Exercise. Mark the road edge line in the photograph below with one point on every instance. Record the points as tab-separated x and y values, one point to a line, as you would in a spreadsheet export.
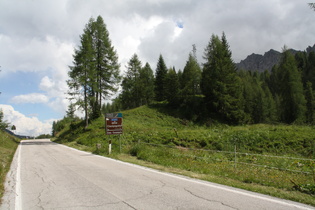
18	195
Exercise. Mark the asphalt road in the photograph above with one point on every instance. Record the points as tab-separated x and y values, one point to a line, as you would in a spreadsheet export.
45	175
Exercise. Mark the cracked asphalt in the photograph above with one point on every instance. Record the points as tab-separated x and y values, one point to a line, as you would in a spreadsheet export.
54	176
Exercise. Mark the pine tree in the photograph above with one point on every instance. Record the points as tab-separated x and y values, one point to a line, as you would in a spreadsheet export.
160	79
172	87
220	83
191	77
291	94
147	84
269	106
310	68
131	93
310	106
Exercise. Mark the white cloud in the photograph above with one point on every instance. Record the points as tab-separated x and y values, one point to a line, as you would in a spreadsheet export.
29	126
32	98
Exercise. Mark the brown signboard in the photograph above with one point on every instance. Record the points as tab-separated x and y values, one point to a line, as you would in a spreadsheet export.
114	123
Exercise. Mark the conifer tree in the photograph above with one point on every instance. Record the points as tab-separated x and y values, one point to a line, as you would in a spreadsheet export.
147	84
95	71
79	83
107	66
310	68
220	83
160	80
291	94
191	77
172	87
131	93
310	106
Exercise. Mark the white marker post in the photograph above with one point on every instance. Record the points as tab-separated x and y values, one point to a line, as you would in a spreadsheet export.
110	147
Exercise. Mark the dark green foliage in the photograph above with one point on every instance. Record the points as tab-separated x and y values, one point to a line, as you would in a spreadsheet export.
290	90
147	84
131	93
160	80
220	83
310	69
310	106
137	85
44	136
191	77
260	105
172	87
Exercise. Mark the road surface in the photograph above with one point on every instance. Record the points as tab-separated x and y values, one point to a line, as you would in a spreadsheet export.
46	175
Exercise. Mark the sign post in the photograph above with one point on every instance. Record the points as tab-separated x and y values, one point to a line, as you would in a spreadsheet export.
113	122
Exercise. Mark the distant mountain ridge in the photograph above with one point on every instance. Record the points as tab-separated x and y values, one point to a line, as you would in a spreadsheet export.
257	62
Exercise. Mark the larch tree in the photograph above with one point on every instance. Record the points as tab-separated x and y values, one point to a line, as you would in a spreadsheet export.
95	71
147	84
191	77
80	75
160	80
310	106
220	84
131	89
291	93
172	87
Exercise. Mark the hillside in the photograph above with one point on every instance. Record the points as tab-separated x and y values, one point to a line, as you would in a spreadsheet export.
260	63
8	145
152	124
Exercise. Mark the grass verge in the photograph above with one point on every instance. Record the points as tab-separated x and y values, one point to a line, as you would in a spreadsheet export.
8	145
243	178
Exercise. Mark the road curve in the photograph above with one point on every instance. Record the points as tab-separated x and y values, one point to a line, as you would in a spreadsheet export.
46	175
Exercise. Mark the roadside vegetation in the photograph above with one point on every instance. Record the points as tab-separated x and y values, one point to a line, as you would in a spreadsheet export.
156	139
8	145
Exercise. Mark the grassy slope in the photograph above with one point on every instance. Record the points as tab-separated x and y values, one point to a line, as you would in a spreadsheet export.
147	124
8	145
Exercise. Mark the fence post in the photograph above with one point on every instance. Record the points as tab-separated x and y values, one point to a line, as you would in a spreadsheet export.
119	143
234	156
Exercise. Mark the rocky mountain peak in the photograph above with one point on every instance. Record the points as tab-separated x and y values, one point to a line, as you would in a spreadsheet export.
257	62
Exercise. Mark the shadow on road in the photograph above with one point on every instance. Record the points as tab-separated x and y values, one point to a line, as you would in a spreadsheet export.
36	142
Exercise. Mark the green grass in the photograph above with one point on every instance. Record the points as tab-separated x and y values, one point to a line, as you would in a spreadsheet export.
8	145
152	125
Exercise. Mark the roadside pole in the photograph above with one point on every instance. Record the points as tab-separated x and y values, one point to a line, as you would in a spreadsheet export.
110	147
119	143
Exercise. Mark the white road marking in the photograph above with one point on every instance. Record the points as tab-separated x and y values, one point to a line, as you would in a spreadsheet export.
18	195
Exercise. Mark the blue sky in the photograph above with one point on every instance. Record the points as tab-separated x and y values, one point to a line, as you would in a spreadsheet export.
37	40
23	83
